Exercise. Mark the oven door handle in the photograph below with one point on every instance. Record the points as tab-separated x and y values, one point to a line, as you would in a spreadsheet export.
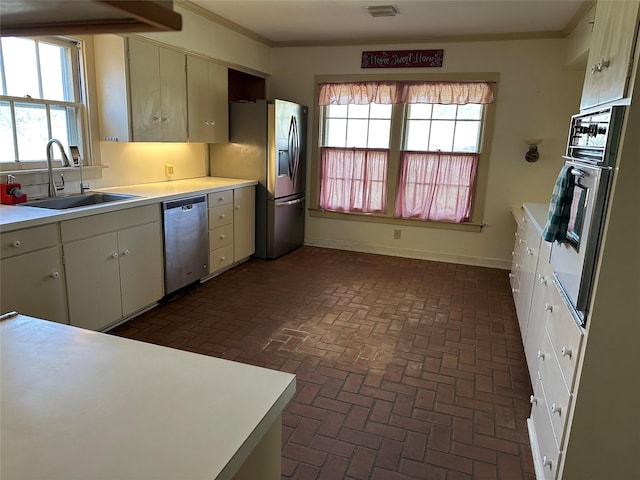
578	173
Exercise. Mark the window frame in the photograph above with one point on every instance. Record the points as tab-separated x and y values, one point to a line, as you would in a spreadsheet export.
475	222
81	65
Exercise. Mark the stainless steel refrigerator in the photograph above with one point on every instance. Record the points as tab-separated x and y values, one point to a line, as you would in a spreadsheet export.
269	145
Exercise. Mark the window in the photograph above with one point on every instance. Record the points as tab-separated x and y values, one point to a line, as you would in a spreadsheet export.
40	98
354	157
430	133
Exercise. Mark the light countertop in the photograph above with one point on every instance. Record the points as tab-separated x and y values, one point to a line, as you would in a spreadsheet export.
13	217
78	404
536	211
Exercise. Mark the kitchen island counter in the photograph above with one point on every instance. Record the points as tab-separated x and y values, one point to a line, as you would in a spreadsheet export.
77	404
14	217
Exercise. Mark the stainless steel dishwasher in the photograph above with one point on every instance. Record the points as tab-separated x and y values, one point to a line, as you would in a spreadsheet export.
185	242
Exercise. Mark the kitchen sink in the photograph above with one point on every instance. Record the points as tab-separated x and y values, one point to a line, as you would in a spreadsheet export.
80	200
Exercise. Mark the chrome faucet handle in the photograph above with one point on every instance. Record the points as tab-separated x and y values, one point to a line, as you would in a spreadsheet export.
61	185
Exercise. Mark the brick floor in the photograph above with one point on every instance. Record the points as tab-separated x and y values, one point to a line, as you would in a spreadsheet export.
406	369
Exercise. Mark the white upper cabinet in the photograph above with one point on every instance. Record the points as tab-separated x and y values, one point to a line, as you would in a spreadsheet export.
207	101
158	89
141	90
611	54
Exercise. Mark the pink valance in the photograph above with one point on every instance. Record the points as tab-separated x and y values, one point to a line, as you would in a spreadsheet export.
389	92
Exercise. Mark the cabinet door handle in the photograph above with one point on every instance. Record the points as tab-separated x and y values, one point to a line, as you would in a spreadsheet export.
533	400
556	409
511	275
115	255
600	66
529	251
222	237
55	275
542	280
237	207
540	354
125	252
566	352
16	243
514	290
546	462
548	307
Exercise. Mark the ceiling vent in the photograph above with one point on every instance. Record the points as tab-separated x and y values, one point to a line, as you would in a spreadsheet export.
382	10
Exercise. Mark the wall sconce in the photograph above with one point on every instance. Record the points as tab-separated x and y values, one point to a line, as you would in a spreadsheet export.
532	154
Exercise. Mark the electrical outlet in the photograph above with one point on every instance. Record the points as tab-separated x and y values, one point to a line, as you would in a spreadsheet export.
397	234
168	169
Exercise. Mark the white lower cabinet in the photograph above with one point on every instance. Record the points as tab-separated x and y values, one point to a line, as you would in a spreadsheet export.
556	365
539	306
31	274
546	454
231	227
552	339
244	222
113	264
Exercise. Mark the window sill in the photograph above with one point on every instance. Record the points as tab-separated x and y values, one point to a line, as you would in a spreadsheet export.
6	170
376	218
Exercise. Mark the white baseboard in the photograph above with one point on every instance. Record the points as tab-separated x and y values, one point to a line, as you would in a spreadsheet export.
410	253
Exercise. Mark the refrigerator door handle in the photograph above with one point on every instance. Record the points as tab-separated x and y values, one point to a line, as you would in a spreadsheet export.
290	202
294	148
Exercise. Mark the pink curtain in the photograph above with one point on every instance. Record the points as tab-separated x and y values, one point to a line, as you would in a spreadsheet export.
446	93
358	93
436	186
353	179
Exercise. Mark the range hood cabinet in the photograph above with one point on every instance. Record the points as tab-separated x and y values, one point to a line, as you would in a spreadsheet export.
61	17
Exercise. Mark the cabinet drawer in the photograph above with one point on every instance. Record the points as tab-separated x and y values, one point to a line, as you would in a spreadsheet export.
220	258
219	216
548	457
86	227
26	240
557	396
565	335
220	237
220	198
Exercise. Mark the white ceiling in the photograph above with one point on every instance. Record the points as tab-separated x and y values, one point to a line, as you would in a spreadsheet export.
347	21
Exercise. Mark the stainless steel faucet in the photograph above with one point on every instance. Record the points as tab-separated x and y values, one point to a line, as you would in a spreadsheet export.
65	163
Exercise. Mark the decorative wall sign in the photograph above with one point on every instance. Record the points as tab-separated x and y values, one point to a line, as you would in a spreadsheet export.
402	58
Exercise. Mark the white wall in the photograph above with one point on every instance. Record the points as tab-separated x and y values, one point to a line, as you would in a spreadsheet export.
535	99
202	36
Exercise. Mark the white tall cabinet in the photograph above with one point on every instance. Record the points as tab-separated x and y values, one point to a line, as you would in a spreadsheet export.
584	420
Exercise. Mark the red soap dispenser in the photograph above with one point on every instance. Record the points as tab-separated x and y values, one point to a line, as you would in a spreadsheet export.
11	192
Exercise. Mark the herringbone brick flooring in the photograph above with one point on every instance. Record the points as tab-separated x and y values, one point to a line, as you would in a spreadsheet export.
406	369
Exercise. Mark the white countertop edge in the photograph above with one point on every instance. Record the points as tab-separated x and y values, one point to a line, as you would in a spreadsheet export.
15	217
252	441
538	214
34	341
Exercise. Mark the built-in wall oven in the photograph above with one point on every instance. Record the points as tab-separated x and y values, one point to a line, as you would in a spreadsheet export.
591	154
